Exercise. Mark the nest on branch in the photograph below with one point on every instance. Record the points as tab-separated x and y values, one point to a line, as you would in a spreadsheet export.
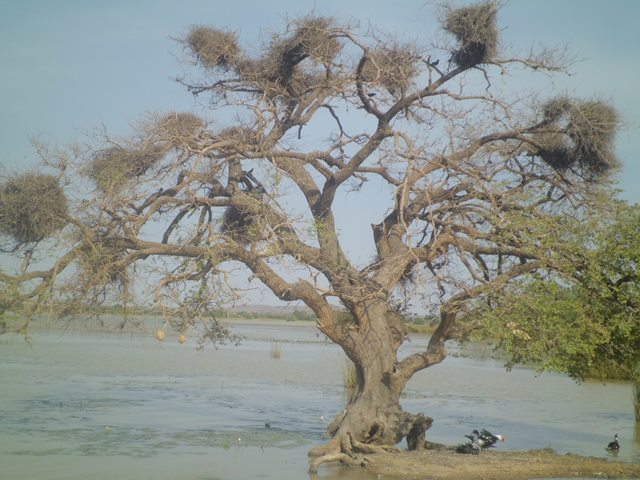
313	37
113	167
32	207
179	128
580	135
214	48
392	68
100	264
241	135
239	225
476	30
277	72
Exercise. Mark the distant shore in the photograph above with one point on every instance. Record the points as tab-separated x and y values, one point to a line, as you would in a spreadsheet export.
133	324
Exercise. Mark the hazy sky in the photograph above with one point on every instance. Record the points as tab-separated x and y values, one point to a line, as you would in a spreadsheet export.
68	66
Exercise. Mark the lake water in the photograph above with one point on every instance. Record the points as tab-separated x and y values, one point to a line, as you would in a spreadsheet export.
99	406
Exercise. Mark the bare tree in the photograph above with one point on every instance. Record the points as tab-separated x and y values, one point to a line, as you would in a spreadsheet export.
479	185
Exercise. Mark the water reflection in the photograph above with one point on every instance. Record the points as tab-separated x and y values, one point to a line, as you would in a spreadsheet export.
106	406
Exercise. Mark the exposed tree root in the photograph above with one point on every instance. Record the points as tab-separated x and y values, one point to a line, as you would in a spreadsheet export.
369	448
332	447
345	449
349	459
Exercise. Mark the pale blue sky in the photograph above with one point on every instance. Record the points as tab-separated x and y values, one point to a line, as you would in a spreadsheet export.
71	65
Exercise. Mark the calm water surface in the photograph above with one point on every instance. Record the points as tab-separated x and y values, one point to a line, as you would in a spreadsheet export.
100	406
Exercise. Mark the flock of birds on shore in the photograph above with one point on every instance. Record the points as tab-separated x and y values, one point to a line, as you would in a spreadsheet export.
479	440
483	439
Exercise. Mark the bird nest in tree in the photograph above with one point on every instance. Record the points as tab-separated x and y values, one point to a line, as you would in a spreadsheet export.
392	68
110	169
214	47
240	225
579	135
277	73
101	264
313	37
240	135
32	207
179	129
476	30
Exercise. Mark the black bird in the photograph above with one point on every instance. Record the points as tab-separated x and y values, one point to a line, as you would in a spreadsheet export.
615	445
371	94
468	448
267	425
490	437
484	439
434	63
477	441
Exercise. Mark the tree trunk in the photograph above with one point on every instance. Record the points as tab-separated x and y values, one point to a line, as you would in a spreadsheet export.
373	419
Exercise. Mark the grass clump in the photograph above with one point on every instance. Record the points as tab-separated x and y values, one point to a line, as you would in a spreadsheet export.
276	351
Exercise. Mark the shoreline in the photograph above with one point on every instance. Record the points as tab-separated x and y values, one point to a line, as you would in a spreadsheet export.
445	464
140	324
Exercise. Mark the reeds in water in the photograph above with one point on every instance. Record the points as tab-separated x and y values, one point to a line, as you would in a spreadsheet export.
276	351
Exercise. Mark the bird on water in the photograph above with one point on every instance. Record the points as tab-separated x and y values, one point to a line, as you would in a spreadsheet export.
615	445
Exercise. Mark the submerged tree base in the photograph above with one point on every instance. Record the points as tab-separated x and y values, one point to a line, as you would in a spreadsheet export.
445	464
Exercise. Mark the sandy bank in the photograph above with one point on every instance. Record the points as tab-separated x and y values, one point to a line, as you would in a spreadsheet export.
495	465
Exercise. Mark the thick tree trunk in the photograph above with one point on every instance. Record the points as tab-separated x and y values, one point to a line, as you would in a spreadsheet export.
374	418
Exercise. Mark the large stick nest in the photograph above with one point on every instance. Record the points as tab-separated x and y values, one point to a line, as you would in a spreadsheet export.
579	135
239	225
113	167
393	68
313	37
476	30
32	207
179	129
213	47
278	72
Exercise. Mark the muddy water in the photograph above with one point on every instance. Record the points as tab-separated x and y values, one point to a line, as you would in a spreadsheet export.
99	406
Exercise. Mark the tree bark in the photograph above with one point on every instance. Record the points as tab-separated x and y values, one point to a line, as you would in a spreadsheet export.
373	419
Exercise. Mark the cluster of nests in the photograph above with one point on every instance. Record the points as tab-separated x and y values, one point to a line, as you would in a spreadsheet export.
575	135
317	38
275	73
112	167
